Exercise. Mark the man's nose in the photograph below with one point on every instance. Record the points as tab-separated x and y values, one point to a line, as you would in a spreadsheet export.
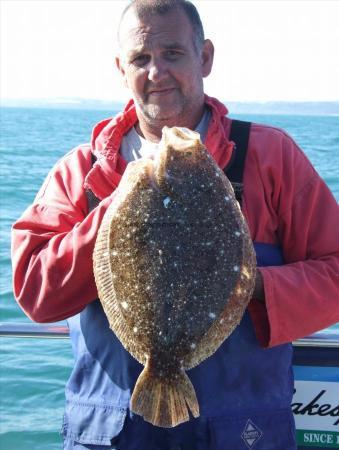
157	70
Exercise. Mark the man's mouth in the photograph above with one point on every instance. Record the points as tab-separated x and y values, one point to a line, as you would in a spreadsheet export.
160	92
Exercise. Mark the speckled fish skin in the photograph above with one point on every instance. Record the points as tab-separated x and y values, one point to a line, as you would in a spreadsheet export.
175	269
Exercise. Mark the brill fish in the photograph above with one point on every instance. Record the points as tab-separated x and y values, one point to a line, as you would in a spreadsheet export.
175	269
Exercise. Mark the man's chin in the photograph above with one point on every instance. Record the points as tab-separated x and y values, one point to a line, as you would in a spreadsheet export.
158	113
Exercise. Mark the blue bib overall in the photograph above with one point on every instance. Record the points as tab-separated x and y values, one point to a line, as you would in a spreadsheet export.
244	391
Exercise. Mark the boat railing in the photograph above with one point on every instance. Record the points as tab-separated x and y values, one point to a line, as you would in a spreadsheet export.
34	330
60	331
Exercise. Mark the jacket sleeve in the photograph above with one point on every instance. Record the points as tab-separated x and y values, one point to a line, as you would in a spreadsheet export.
52	245
302	296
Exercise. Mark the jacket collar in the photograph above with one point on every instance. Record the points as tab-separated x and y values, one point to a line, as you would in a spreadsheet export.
104	176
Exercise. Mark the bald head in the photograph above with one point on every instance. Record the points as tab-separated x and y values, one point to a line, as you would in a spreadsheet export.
145	8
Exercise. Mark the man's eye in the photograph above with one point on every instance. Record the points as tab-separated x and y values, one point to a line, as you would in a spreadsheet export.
140	60
172	55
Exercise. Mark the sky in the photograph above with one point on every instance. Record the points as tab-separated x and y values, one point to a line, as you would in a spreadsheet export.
267	50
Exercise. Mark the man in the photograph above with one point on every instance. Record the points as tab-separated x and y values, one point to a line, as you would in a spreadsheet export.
293	219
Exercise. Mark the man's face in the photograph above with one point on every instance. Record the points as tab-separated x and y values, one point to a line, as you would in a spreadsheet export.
162	67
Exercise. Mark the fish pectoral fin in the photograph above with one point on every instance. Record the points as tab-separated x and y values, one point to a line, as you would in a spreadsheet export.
164	402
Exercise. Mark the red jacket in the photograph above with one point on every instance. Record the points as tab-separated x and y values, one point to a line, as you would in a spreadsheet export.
285	202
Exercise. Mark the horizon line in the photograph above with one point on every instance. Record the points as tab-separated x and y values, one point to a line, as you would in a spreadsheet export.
77	100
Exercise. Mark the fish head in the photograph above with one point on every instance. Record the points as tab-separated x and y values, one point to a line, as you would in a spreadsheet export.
181	152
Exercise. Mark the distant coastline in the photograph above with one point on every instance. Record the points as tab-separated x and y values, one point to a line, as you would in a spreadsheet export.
271	107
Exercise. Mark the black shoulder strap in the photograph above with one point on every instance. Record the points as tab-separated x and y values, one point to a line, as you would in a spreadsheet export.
240	133
92	200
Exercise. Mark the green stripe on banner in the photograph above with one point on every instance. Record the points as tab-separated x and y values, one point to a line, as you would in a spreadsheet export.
315	438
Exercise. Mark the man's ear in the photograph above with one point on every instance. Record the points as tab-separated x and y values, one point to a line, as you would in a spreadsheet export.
207	55
121	69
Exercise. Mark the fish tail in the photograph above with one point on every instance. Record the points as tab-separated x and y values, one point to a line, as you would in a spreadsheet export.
162	402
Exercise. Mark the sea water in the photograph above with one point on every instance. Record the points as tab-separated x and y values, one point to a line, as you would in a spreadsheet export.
33	372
